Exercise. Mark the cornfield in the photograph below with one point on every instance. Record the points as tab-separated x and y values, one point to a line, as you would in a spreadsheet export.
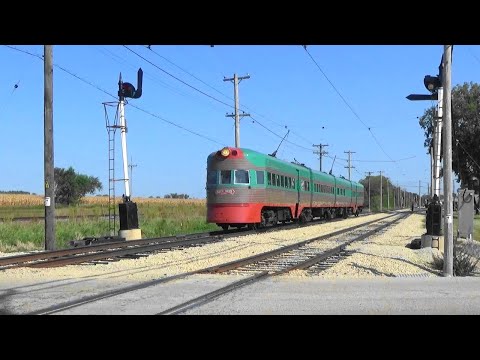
32	200
20	200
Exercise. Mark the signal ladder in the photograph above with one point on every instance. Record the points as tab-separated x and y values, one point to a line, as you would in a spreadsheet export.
111	129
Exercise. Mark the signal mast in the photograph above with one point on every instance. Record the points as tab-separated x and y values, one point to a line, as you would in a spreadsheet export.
128	209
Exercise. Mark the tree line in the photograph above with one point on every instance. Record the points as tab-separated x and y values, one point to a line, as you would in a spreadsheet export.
465	133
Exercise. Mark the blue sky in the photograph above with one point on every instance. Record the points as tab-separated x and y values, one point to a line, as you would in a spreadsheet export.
286	91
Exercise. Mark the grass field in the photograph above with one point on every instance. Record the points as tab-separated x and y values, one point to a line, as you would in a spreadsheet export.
157	217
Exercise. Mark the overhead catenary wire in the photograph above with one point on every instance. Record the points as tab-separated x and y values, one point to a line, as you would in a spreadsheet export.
255	120
155	79
198	90
223	94
116	97
346	103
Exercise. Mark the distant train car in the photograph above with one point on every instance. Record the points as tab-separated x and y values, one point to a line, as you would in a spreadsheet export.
247	188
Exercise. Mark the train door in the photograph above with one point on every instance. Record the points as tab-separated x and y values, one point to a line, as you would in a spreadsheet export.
356	196
351	193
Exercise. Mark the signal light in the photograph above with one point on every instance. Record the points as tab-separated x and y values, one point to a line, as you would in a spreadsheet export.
225	152
432	83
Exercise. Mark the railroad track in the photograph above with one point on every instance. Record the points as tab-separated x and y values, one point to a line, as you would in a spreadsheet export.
298	256
114	251
356	234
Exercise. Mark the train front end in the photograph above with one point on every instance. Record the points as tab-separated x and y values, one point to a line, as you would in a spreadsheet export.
231	187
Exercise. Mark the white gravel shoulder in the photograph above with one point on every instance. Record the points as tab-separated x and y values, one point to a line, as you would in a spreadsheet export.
385	255
382	255
189	259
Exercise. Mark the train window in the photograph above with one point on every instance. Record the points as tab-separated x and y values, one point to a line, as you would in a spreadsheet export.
277	178
225	177
212	177
282	180
269	178
289	182
293	183
260	177
241	177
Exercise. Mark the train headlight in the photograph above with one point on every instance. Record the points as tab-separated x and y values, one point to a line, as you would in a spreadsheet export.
225	152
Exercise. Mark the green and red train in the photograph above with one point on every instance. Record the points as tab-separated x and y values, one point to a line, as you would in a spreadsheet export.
247	188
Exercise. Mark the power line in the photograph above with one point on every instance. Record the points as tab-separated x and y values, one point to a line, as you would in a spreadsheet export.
221	93
178	79
470	156
346	102
187	72
146	111
411	157
255	121
153	78
116	97
212	96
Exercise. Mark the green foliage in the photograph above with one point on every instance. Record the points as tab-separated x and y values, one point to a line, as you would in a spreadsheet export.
465	131
155	220
387	189
465	259
15	192
70	187
176	196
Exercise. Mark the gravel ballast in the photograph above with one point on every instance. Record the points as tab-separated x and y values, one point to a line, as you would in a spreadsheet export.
382	255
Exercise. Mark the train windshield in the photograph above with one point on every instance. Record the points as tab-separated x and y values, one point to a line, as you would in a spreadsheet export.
212	177
225	177
241	177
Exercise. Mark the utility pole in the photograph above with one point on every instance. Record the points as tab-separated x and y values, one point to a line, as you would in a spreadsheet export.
419	193
369	173
349	162
320	152
447	162
388	196
236	80
381	191
394	193
131	166
49	169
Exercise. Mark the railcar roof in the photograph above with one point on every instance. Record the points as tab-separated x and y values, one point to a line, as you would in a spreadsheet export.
249	152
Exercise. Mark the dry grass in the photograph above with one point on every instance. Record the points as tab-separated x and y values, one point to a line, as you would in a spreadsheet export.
32	200
103	200
20	200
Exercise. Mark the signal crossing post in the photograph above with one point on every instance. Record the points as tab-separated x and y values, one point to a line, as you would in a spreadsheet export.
447	163
236	80
128	209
